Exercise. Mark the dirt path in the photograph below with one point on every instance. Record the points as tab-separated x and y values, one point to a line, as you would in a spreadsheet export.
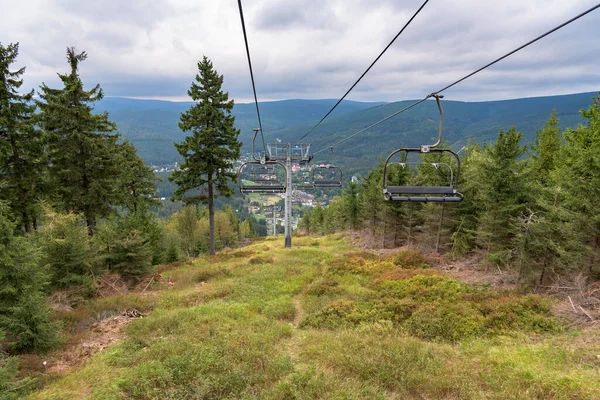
299	309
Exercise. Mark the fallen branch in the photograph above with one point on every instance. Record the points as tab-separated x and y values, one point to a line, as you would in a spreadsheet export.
151	280
113	286
572	305
585	312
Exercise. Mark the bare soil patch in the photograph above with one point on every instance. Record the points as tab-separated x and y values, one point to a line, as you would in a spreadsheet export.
102	334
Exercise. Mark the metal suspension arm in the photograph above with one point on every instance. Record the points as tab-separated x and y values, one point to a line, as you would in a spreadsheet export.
426	148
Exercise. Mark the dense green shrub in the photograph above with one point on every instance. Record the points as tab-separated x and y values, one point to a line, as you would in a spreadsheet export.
423	288
261	260
446	321
411	259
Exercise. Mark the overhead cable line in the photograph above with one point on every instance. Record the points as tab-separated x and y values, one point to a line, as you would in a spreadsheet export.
367	70
464	78
251	74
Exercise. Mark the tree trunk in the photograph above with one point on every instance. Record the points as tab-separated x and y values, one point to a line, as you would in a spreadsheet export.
211	215
90	221
26	223
439	230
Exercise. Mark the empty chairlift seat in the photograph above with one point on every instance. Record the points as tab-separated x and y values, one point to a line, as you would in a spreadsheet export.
446	193
324	176
257	177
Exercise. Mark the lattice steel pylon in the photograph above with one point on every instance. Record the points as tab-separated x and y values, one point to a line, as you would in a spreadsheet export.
289	152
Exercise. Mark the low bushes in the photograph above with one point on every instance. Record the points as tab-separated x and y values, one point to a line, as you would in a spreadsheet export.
425	303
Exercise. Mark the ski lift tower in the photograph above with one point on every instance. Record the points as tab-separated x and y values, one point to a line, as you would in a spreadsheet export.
288	152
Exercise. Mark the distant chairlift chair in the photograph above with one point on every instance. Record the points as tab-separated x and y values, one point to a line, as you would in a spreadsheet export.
260	180
327	176
424	193
305	181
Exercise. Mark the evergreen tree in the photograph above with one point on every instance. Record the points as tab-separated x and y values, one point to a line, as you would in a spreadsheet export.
138	181
132	255
351	206
24	312
545	150
67	252
11	386
578	175
370	199
84	155
547	238
20	143
306	221
465	215
503	193
213	146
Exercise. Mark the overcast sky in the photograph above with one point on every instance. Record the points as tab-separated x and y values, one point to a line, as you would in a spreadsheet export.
310	48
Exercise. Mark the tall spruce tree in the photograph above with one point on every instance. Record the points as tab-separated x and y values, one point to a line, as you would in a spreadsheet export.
138	181
20	143
84	154
547	239
545	150
503	193
578	176
212	147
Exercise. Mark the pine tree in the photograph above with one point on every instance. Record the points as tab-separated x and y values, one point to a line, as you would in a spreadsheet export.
503	194
11	386
20	142
465	215
67	252
132	255
545	150
547	238
84	155
370	199
212	147
351	206
138	181
578	175
24	312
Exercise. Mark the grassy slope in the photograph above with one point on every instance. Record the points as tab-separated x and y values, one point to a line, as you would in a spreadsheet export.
265	326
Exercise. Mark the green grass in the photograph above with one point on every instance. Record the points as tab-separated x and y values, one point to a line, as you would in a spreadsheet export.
323	321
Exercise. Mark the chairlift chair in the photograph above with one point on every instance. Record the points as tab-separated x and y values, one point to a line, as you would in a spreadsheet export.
305	181
265	174
327	176
247	178
446	193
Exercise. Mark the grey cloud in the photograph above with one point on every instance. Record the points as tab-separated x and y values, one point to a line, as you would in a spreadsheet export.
282	15
143	13
310	49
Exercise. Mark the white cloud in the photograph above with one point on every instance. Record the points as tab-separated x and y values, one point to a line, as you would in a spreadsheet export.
310	49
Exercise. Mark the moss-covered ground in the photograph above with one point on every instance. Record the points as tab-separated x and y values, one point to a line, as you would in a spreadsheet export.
325	321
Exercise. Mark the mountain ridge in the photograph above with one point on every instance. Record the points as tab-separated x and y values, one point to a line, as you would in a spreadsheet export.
152	124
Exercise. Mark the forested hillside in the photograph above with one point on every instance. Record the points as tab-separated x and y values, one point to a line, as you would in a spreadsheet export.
152	125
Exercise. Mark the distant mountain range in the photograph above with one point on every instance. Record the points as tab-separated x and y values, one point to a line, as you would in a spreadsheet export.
152	124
